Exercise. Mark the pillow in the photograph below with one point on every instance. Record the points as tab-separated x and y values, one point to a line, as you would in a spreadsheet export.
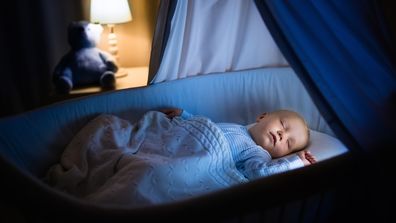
321	145
324	146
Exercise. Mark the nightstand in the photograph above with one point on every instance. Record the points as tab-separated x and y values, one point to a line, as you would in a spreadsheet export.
137	77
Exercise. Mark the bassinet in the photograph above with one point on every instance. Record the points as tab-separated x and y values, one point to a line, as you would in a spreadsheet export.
33	141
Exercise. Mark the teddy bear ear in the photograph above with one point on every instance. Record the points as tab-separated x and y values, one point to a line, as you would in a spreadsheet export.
94	32
72	26
97	28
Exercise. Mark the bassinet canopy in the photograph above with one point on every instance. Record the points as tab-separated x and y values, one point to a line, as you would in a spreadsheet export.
342	53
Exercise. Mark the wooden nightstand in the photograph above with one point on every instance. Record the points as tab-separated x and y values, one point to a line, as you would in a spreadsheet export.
137	77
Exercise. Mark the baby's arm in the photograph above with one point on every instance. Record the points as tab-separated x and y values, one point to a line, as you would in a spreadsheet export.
259	165
256	167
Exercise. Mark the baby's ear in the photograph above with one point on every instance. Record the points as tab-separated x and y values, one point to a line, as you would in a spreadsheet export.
261	116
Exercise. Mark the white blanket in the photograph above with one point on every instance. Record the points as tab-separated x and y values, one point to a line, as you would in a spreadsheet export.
156	160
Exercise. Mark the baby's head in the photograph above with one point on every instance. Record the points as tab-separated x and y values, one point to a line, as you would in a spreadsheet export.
280	132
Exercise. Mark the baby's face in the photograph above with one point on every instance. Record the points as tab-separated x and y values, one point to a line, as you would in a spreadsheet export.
280	133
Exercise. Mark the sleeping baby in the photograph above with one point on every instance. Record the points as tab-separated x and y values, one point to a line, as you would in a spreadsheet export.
172	155
274	135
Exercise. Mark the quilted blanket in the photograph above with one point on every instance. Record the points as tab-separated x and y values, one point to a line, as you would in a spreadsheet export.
155	160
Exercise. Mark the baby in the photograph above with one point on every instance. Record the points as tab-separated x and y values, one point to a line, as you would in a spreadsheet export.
274	135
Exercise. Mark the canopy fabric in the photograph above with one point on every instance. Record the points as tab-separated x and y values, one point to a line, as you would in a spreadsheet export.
343	50
209	36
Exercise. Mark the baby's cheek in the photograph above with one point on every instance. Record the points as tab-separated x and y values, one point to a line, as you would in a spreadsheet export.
267	143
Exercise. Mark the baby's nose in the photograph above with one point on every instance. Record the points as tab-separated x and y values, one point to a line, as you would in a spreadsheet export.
280	134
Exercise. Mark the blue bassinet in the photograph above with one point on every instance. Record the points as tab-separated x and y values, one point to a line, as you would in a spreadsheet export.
33	141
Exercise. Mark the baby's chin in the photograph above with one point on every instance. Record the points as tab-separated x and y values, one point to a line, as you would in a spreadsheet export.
273	155
267	144
273	151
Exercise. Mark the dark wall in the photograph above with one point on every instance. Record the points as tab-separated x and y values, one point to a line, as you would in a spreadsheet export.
389	8
32	40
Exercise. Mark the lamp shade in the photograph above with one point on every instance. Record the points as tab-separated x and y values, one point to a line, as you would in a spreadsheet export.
110	11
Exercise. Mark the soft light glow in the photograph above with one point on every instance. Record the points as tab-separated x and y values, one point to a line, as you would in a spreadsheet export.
110	11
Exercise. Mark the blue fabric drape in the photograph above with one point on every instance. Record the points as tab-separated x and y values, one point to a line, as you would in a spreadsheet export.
342	51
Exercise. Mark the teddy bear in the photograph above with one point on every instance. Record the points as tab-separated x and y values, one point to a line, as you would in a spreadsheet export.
84	64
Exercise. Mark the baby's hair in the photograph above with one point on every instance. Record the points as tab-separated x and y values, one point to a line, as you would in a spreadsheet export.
308	132
306	129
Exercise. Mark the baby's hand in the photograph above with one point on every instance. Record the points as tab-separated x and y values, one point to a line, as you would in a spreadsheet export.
306	157
172	112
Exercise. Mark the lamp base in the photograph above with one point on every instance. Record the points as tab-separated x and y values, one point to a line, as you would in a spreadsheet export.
122	72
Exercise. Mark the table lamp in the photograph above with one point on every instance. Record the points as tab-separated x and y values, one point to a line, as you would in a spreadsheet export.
111	12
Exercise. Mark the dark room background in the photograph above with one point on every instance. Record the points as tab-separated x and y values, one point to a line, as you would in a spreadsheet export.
30	48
